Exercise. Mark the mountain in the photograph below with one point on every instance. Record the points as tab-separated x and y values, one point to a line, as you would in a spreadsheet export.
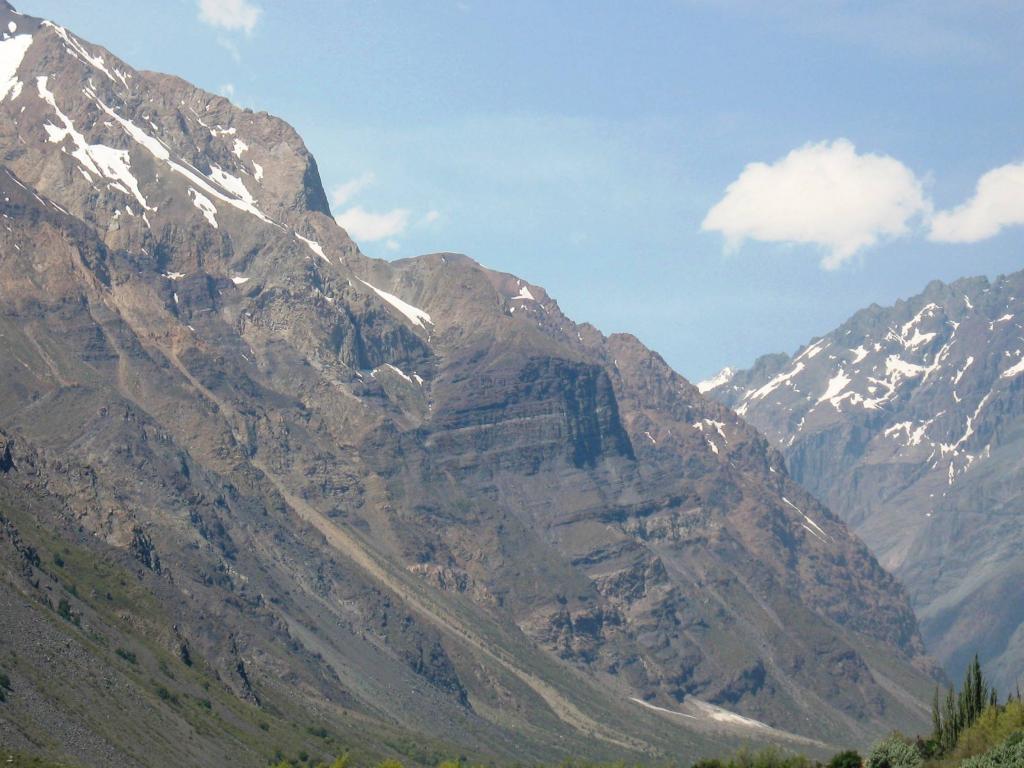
267	493
908	421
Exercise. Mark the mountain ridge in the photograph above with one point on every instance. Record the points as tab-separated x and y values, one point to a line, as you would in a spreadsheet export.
905	420
412	493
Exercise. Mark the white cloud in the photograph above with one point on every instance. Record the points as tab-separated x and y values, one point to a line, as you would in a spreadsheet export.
231	47
822	194
342	193
230	14
998	202
363	225
228	90
430	217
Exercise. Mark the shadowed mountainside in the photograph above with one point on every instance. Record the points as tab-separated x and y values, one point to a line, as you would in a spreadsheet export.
908	421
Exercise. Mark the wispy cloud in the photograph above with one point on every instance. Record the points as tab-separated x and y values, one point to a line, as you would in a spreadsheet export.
821	194
372	226
231	47
998	202
232	15
369	226
344	192
227	90
430	217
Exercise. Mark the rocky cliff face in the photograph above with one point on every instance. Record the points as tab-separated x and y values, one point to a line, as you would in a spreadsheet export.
907	421
413	493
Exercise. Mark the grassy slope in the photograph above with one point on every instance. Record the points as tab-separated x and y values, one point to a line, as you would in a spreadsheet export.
105	676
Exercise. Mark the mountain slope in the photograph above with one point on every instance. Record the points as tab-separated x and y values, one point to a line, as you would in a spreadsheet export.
412	493
907	421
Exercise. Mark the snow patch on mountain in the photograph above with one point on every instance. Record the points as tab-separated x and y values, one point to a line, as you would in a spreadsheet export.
76	49
205	205
1014	370
918	339
816	530
656	708
721	378
106	162
706	426
12	52
960	374
314	246
718	714
232	190
835	386
414	315
524	294
394	369
771	386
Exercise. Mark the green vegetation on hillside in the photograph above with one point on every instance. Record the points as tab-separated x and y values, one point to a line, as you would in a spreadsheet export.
970	729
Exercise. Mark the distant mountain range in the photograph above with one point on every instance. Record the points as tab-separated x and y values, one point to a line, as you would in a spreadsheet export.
908	421
261	493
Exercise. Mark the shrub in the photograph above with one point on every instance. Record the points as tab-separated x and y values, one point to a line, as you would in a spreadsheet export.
894	752
847	759
1010	754
769	757
127	655
166	695
994	726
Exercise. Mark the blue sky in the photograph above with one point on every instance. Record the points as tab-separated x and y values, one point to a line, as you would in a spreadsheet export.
590	146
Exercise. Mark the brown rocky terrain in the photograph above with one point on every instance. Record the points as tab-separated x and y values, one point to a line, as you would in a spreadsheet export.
411	501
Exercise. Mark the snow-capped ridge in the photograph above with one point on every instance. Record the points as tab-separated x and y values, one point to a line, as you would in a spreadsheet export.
721	378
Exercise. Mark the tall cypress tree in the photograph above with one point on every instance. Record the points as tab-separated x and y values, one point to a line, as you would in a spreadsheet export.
980	689
961	710
949	725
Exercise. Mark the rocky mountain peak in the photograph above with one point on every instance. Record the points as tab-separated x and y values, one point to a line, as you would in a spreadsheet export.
139	153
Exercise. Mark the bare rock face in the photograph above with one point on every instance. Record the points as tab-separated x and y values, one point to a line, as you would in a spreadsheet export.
412	493
907	421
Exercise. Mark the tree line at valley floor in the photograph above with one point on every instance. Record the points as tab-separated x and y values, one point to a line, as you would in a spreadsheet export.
970	729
